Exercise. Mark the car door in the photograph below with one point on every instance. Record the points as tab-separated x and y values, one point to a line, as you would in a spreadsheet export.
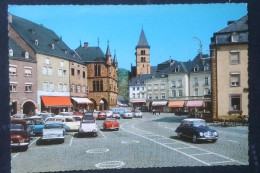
189	129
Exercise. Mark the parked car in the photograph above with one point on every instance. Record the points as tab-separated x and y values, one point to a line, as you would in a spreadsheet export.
116	115
35	124
53	131
62	119
88	126
88	114
102	116
137	113
20	137
196	129
66	113
77	117
182	112
109	114
45	115
121	111
110	124
19	116
127	114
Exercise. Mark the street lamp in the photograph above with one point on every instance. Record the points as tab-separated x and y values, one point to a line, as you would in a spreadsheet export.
200	50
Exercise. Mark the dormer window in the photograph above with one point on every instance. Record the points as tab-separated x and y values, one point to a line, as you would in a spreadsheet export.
137	82
36	42
234	37
177	69
65	51
32	31
52	46
206	67
57	41
196	69
11	53
26	55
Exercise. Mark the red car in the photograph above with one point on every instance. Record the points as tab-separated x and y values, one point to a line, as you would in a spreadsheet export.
110	123
20	137
102	116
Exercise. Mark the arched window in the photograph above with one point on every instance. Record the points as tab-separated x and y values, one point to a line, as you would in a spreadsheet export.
26	55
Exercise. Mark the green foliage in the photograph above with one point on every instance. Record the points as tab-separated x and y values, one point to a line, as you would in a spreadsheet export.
123	83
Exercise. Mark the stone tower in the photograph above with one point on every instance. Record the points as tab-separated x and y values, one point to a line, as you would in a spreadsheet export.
142	56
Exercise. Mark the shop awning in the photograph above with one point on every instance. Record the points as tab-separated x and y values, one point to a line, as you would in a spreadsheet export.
194	103
81	100
159	103
138	101
176	104
56	101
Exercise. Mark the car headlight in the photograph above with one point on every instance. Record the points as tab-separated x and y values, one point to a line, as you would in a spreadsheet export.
201	134
215	133
94	130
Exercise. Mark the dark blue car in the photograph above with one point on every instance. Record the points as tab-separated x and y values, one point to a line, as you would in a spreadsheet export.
197	130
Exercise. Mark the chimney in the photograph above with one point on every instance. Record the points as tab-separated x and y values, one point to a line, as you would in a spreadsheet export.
229	22
85	45
10	18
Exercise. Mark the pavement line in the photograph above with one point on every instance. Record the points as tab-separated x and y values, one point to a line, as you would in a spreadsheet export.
16	155
34	141
183	148
102	134
71	139
232	141
170	143
221	161
199	154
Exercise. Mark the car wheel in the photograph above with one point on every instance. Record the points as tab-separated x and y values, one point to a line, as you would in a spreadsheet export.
95	135
214	140
62	141
179	135
117	129
194	138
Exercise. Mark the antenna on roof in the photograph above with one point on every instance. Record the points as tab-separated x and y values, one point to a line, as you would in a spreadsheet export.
80	43
98	41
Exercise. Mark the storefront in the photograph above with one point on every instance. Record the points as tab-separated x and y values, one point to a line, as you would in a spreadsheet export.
176	106
80	104
56	104
159	105
196	107
138	103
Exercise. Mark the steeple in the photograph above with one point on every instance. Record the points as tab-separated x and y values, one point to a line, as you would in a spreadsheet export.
115	60
142	43
108	50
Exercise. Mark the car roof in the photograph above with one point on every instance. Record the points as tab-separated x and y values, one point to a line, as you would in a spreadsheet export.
110	119
88	118
193	119
53	122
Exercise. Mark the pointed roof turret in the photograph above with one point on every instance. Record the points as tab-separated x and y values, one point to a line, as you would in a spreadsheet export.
108	50
142	41
115	58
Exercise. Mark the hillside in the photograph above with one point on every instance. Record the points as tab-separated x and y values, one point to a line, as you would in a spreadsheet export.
123	84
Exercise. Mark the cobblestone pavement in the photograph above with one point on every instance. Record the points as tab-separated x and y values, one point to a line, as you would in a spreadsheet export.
140	143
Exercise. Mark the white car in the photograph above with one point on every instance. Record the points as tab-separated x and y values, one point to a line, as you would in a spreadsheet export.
88	126
116	115
109	114
53	131
127	114
66	113
137	113
69	121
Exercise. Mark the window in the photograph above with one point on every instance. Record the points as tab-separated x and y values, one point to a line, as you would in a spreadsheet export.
143	88
44	86
234	79
177	69
155	86
149	86
179	83
196	92
162	86
60	72
142	52
162	95
97	86
44	70
206	68
206	91
62	63
47	61
196	83
142	95
97	70
156	96
72	71
60	87
28	87
173	94
50	71
133	88
180	93
64	89
84	74
78	88
133	95
137	88
196	69
150	96
11	53
206	81
27	71
51	86
78	73
142	59
83	89
72	88
234	37
12	70
235	101
173	84
64	73
234	58
13	87
26	55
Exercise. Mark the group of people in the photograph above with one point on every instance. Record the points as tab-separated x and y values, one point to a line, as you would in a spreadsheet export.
155	111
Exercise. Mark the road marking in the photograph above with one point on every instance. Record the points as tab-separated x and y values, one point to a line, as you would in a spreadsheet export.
183	148
133	123
232	141
110	164
199	154
102	134
71	139
98	150
129	142
16	154
34	141
222	161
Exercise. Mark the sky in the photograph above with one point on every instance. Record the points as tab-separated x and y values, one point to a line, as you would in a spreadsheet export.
169	29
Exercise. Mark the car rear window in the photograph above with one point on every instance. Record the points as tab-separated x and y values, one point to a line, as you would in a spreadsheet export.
88	121
16	127
199	123
53	126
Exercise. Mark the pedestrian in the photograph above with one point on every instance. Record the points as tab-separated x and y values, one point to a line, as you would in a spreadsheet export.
153	111
159	112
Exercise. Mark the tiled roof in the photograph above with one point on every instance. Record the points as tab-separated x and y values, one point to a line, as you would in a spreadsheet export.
142	41
48	42
91	54
18	52
139	80
239	25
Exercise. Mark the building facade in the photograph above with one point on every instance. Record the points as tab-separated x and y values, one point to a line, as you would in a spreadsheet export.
229	69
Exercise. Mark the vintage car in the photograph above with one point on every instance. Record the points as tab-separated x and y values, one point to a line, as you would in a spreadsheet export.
110	124
88	126
35	124
182	112
109	114
197	130
137	113
66	113
45	115
102	115
19	116
69	121
116	115
121	111
20	137
127	114
53	131
88	114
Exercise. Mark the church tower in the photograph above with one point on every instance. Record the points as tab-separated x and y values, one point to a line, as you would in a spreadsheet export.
142	56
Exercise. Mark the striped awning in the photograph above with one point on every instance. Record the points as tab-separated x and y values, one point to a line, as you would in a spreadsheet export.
159	103
138	101
176	104
82	100
195	103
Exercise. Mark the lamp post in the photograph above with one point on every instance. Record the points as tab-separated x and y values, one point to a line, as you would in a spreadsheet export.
200	50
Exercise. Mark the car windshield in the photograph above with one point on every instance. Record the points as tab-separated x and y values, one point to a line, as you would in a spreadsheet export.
88	121
16	127
128	111
88	114
199	123
111	119
53	126
137	111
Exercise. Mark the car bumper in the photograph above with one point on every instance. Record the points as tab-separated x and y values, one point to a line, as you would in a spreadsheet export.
23	144
52	138
203	138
